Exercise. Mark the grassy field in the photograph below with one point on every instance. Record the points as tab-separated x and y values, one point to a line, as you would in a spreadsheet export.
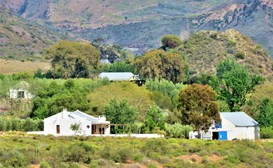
14	66
21	150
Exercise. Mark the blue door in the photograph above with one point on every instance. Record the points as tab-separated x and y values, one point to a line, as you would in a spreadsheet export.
223	135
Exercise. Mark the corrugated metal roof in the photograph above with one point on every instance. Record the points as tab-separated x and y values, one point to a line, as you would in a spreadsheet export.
239	119
90	118
117	76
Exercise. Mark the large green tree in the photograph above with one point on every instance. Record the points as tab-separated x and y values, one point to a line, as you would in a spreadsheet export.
161	64
198	107
235	82
265	116
154	119
120	112
54	98
164	88
73	59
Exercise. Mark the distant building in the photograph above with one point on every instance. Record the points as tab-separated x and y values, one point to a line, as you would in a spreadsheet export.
61	124
20	91
105	61
234	125
122	76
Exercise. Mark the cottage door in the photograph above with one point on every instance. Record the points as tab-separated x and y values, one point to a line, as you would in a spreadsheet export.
58	129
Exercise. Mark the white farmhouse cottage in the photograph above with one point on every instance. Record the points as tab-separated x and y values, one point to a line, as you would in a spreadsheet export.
75	123
234	125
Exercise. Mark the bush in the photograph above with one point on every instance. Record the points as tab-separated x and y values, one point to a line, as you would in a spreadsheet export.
122	155
240	55
178	130
266	132
155	147
44	165
13	158
14	124
80	152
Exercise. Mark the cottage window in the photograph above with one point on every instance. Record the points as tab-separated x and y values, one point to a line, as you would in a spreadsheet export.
21	94
218	125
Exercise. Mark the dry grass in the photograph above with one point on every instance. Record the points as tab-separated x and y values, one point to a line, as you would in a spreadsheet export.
14	66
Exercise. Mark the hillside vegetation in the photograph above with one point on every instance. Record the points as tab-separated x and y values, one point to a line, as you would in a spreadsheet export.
13	66
47	151
137	96
204	50
21	39
140	24
93	14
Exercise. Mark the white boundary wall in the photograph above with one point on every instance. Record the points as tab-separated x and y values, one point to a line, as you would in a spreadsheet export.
109	135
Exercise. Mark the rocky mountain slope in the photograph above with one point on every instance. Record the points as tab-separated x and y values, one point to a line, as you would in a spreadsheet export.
206	49
21	39
134	24
82	14
140	24
254	19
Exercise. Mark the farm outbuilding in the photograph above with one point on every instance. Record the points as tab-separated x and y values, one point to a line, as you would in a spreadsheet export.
122	76
20	91
234	125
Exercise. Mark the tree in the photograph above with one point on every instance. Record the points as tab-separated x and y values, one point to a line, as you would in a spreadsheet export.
76	127
265	117
235	82
73	59
154	118
120	112
198	107
161	64
54	98
118	67
170	41
163	88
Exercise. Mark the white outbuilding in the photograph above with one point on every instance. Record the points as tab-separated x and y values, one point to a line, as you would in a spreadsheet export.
20	91
75	123
119	76
234	125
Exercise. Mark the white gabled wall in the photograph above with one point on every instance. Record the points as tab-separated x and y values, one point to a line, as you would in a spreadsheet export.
66	119
243	133
64	122
235	132
13	93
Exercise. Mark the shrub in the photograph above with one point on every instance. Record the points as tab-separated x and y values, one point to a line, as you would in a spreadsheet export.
155	147
178	130
240	55
80	152
14	158
124	154
266	132
14	124
44	165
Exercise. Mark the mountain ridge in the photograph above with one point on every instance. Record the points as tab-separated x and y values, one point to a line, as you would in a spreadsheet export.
141	24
